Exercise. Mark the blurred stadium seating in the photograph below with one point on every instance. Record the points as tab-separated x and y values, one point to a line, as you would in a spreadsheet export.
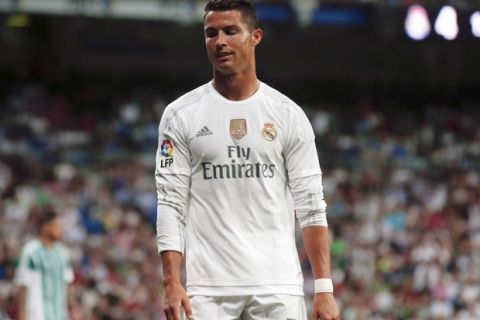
402	188
397	133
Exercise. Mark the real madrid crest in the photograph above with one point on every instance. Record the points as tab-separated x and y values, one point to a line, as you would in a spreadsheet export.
269	131
238	128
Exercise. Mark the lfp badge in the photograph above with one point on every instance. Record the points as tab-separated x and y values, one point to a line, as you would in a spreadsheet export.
166	148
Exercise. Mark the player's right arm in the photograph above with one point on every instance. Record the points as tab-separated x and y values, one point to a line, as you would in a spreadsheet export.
24	276
21	298
175	295
172	176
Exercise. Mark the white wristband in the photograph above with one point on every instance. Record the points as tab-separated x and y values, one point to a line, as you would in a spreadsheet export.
323	285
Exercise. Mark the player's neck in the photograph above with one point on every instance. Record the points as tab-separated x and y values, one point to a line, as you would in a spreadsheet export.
236	87
46	241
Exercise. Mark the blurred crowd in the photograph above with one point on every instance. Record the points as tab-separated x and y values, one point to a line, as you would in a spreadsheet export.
402	187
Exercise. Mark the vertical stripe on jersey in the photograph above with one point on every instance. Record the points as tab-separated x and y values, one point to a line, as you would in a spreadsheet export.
51	265
46	291
34	265
60	281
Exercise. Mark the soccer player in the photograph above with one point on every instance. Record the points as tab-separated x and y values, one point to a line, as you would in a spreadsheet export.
43	273
232	154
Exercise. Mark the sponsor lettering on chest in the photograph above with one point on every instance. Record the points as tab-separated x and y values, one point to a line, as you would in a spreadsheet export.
240	165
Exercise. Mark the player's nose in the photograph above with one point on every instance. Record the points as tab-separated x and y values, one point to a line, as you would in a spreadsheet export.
221	40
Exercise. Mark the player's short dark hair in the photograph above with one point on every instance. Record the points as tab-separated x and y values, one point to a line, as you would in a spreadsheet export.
46	217
249	15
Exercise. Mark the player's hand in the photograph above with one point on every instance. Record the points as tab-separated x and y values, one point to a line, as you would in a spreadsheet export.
325	307
175	298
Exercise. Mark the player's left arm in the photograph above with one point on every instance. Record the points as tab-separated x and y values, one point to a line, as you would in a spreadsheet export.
317	244
306	188
310	208
75	311
69	277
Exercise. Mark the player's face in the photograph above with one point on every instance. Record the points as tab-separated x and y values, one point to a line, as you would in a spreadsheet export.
230	42
55	230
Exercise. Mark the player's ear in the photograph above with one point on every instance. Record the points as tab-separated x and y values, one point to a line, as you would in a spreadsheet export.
257	36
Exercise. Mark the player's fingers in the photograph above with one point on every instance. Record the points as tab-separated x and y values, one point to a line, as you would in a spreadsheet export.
176	313
319	316
167	313
187	307
172	312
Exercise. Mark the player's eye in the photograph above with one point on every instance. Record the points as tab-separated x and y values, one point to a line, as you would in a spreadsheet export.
210	33
230	31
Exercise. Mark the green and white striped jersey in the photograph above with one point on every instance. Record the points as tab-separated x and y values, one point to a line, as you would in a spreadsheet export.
45	272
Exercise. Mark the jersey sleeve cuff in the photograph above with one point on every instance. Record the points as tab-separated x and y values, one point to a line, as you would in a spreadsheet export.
303	174
170	245
318	218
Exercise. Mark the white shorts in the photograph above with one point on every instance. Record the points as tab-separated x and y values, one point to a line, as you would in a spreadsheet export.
256	307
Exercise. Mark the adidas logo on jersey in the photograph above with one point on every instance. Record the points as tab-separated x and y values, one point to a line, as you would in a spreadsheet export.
204	132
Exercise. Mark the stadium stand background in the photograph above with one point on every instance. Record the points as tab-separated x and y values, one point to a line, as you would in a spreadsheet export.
82	89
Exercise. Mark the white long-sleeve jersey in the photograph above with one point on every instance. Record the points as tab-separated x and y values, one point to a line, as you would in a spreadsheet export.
225	171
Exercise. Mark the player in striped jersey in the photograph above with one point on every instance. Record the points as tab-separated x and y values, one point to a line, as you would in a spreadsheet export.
43	273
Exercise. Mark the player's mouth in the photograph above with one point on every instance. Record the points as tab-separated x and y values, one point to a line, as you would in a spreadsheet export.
221	56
